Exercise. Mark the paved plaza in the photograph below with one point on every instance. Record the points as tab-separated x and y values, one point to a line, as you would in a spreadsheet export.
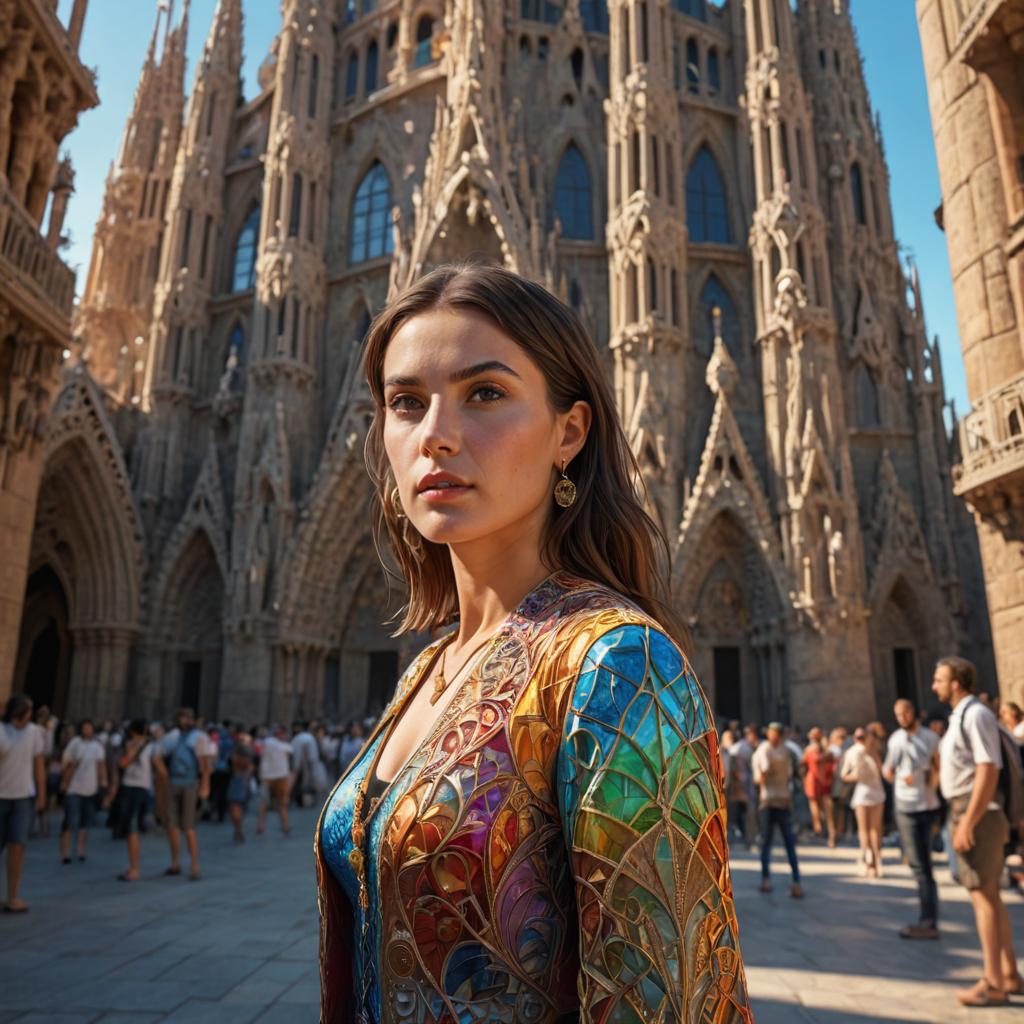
240	946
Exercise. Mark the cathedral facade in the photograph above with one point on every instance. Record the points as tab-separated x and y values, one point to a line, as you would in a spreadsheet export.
705	184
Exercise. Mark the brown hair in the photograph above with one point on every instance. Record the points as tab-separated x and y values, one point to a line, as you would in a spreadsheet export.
606	536
962	670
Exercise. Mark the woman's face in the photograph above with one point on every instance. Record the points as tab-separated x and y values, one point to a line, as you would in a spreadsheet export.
472	440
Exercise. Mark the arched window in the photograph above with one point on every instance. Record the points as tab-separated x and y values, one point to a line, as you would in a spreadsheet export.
692	66
243	274
706	213
868	405
714	71
352	75
595	15
573	196
424	34
714	295
857	189
541	10
371	67
694	8
576	61
371	227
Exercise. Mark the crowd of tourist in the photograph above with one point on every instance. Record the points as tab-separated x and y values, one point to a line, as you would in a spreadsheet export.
144	775
951	782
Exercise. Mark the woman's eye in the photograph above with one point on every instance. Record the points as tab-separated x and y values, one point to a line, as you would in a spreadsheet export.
486	393
402	403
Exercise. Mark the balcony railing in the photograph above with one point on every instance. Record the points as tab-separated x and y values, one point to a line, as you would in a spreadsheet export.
992	438
29	263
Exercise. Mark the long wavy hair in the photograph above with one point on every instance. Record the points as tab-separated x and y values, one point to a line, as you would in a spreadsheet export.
607	536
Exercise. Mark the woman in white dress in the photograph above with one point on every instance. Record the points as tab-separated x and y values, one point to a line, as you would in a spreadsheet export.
863	767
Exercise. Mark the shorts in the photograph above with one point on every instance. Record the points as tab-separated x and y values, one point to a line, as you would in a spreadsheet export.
79	812
238	790
981	866
181	806
132	805
15	819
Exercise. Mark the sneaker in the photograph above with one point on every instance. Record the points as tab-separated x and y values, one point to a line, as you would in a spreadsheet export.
919	931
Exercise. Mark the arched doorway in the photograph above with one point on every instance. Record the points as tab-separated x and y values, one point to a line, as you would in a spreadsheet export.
735	616
903	648
43	669
189	621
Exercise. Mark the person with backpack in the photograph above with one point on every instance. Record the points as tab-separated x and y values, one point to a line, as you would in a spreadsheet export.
982	799
184	759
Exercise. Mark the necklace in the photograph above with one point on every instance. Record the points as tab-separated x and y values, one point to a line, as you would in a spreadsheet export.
440	683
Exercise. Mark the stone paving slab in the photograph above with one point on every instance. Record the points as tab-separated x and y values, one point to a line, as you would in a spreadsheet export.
240	946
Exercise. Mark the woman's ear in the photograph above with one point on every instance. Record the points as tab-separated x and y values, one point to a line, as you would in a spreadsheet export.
575	427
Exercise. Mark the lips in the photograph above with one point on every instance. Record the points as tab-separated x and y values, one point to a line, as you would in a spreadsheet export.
442	486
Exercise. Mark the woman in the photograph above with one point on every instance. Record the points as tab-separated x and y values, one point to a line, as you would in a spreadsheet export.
85	774
535	828
133	793
240	786
863	767
818	778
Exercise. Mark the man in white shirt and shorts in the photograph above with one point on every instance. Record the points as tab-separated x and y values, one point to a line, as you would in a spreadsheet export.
970	760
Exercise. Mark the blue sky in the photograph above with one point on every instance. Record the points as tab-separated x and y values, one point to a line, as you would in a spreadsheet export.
117	33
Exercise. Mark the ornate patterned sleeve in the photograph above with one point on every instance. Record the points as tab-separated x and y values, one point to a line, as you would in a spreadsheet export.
640	794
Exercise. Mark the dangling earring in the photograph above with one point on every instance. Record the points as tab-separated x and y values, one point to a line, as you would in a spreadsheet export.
565	490
396	504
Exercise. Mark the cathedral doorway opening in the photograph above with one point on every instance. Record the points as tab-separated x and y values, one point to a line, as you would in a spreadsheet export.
43	670
738	641
192	630
901	641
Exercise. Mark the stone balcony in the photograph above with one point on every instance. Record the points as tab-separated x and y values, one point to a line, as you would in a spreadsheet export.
991	475
33	278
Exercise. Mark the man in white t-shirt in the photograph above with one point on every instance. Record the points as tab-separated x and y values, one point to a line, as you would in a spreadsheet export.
306	753
85	772
912	766
22	788
970	760
276	776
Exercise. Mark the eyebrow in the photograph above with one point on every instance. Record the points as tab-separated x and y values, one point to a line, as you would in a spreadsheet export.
467	373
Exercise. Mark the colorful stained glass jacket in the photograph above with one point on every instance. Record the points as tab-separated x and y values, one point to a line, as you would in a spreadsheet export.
554	851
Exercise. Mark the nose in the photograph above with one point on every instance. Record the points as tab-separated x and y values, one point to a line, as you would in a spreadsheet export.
439	428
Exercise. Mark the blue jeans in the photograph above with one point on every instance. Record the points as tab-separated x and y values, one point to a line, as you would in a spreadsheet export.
769	818
15	819
916	840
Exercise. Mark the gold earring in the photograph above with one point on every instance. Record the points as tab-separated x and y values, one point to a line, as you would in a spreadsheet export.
396	504
565	490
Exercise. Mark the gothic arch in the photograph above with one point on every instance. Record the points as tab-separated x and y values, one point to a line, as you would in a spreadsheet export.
705	137
187	636
88	533
572	145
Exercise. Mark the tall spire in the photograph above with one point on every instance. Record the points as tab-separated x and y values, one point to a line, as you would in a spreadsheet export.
116	309
180	314
647	246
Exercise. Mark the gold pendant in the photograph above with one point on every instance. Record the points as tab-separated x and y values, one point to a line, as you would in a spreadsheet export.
440	683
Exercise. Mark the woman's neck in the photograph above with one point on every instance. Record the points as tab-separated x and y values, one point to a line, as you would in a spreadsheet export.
492	586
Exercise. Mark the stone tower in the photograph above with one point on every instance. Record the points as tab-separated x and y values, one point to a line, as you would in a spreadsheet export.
43	88
682	174
974	62
117	301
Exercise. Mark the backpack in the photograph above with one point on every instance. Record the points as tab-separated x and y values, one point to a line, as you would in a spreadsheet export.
1011	776
184	765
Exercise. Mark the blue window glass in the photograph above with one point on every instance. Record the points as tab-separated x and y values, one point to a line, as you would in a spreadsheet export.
541	10
350	11
694	8
424	32
706	214
714	71
692	66
595	15
371	216
857	188
352	76
573	196
371	67
714	296
244	269
868	405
